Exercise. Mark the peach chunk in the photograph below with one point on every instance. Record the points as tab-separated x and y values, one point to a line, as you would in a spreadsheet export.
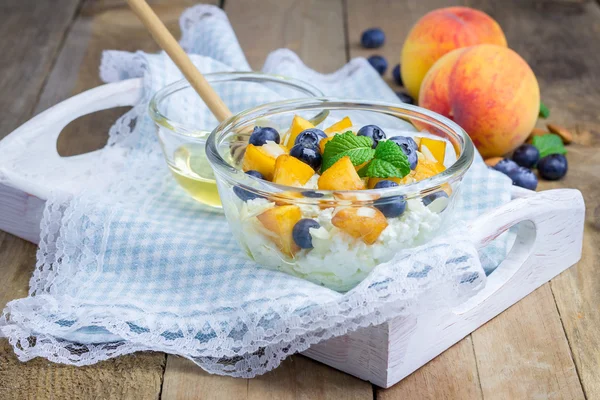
426	169
439	32
323	142
262	158
281	220
489	91
299	124
341	176
339	126
437	148
291	172
365	223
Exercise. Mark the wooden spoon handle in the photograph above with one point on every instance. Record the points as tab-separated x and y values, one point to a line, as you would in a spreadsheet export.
167	42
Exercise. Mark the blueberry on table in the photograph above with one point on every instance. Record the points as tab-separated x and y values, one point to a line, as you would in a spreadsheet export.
379	63
308	155
310	137
397	76
393	206
405	98
507	167
244	194
526	155
372	131
301	232
409	147
525	178
372	38
553	167
260	135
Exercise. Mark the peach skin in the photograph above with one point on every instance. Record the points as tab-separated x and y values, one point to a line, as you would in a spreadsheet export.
440	32
489	91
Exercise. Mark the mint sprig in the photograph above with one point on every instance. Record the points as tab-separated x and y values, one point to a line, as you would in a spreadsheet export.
389	161
549	143
358	148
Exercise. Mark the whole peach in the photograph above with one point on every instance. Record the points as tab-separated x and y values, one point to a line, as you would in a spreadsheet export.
489	91
440	32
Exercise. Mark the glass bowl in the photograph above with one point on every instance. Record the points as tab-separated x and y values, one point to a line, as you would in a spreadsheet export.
352	238
183	122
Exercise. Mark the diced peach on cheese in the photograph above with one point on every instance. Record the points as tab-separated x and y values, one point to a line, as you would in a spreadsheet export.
341	176
365	223
426	169
339	126
436	148
281	220
291	172
262	158
299	124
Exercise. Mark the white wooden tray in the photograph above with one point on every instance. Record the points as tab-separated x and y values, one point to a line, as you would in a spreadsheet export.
549	240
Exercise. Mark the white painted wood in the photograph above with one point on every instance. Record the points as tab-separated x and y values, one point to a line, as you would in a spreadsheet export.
549	240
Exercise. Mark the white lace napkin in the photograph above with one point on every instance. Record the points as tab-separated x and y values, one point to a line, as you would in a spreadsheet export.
142	267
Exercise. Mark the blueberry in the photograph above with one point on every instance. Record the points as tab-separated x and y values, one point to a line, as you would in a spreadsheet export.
526	155
525	178
308	155
553	167
244	194
405	98
301	232
427	200
409	147
507	166
379	63
372	38
310	137
397	76
372	131
311	194
392	206
260	136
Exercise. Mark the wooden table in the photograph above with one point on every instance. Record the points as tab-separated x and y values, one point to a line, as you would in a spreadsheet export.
545	346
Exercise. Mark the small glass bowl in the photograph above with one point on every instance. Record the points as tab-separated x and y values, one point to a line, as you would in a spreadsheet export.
343	250
183	121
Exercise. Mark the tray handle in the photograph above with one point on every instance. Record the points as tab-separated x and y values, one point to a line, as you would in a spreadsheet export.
547	220
39	134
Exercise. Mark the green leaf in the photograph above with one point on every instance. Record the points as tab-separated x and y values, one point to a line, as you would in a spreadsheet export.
549	144
389	161
358	148
544	111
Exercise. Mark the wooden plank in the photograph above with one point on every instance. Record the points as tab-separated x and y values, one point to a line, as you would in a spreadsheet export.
101	25
453	374
313	29
296	378
523	353
31	32
556	40
129	377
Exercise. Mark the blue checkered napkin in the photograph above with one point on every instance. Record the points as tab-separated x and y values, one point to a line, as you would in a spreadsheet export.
146	267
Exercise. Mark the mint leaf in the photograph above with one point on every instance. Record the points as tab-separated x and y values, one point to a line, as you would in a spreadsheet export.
544	111
389	161
549	144
358	148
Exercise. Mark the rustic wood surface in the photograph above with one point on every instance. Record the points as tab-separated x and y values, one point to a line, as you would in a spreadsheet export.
546	346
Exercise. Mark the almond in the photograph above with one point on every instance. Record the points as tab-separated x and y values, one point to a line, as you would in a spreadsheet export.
491	162
564	133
